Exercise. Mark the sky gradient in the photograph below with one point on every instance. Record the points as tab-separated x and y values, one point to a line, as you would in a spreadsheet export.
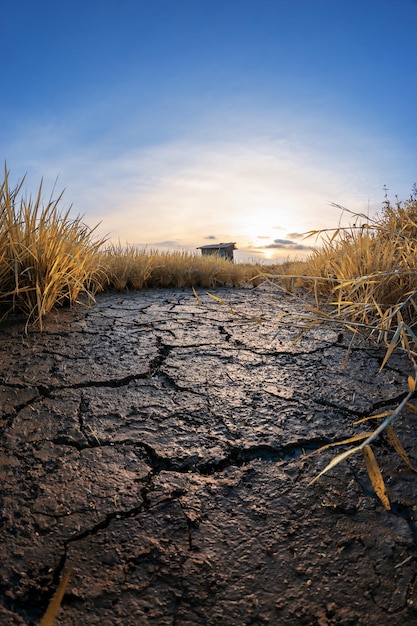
184	122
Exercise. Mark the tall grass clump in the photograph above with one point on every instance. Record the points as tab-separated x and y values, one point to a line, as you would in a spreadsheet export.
368	273
132	267
47	257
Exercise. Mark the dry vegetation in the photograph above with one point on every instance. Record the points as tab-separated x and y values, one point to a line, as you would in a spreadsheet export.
134	268
46	258
372	267
367	273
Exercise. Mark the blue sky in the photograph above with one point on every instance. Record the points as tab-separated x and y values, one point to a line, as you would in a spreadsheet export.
176	123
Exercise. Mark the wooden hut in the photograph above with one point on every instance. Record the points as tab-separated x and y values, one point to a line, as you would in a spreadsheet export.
223	250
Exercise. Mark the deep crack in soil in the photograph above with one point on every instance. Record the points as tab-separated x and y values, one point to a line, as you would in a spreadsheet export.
159	444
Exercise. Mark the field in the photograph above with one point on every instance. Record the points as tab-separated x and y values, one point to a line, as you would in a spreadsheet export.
190	400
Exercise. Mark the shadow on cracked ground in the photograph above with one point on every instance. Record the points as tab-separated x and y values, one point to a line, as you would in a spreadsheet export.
158	442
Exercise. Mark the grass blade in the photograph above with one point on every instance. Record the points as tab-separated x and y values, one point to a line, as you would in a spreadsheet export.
411	407
335	461
372	417
217	299
391	347
376	476
339	443
55	603
397	445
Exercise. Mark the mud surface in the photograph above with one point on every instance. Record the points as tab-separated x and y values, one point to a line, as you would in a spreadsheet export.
158	441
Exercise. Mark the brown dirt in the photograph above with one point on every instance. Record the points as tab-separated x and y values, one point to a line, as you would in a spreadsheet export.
159	442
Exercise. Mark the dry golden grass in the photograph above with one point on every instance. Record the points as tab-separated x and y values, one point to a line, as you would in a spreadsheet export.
366	275
131	267
46	257
369	274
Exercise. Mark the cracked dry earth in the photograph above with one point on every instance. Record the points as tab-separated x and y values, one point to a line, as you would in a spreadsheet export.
158	442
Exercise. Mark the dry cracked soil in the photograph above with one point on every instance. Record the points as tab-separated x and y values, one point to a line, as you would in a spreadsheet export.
158	442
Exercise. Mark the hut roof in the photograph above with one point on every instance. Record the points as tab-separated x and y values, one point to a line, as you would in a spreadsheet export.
218	246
